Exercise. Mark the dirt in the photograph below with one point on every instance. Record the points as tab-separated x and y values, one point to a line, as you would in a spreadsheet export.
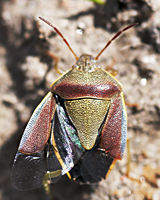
26	73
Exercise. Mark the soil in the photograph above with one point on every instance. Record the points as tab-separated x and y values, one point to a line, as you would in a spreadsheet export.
26	73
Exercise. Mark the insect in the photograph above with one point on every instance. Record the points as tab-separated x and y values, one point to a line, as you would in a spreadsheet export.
78	129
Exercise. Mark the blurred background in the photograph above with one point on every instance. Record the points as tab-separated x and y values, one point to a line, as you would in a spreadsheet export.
26	73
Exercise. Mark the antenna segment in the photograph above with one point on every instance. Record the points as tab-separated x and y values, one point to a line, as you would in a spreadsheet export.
114	37
60	34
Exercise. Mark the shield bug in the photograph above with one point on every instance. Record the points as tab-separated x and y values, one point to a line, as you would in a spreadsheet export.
78	129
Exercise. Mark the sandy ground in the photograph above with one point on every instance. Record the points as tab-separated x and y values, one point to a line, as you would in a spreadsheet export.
26	74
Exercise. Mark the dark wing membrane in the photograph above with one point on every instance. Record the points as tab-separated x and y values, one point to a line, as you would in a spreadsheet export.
65	142
28	171
92	167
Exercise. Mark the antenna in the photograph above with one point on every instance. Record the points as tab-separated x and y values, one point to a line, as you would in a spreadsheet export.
114	37
60	34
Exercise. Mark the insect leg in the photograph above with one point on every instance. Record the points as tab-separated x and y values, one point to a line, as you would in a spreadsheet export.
56	60
110	69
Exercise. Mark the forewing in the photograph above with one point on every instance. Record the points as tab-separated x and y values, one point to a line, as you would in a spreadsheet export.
114	131
30	163
37	131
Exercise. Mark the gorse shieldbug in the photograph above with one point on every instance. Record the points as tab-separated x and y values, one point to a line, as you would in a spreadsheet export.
78	129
